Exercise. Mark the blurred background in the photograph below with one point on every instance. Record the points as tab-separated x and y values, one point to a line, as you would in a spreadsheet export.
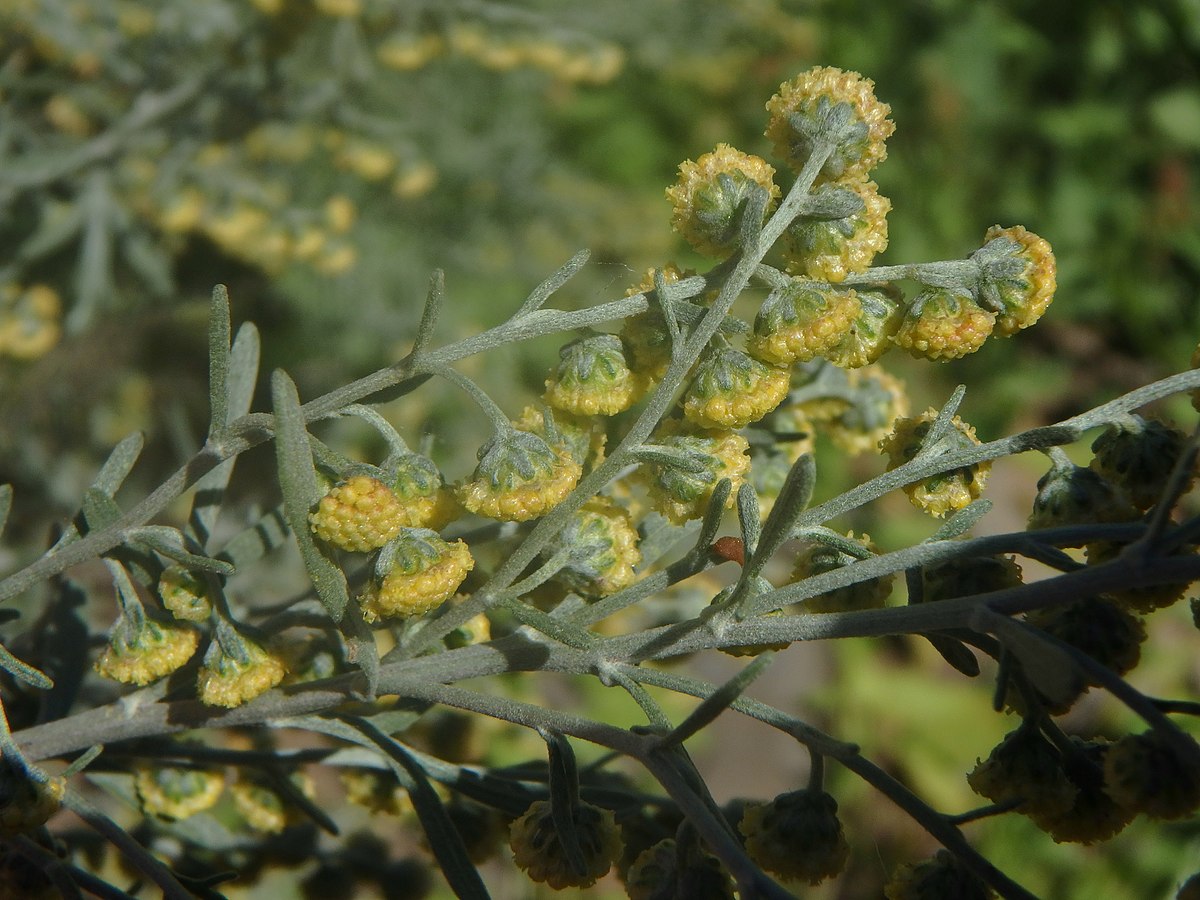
322	157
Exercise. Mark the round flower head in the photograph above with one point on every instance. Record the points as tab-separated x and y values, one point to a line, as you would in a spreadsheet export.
27	797
879	399
711	195
262	806
184	594
1094	816
827	106
581	438
830	248
519	477
870	335
1017	277
146	650
1138	456
797	835
1072	495
312	658
29	320
945	492
1098	627
358	514
658	873
422	492
944	323
422	572
731	390
593	378
538	849
231	678
1146	773
602	541
645	336
965	576
375	790
802	321
177	792
1142	599
819	392
1025	768
818	557
682	492
941	878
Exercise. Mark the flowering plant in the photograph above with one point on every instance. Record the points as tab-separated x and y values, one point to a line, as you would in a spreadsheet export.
423	596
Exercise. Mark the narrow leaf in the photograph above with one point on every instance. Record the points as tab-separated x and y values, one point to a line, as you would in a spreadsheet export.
962	521
99	510
169	542
63	632
429	315
298	482
753	210
942	423
564	797
255	542
793	499
713	513
6	495
119	464
219	334
82	761
244	360
444	839
289	793
1047	665
23	671
717	702
667	308
659	536
543	291
241	379
956	653
749	517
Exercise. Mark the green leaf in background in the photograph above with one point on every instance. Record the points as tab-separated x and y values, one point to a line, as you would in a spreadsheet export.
1176	114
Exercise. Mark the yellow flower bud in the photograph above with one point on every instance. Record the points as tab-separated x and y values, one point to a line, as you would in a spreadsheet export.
177	792
225	680
360	513
710	195
425	572
142	653
829	106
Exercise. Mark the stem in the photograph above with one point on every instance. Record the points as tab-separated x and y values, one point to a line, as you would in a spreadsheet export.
251	430
137	855
499	419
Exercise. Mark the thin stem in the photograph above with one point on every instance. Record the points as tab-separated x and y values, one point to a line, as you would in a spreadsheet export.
499	419
138	856
253	429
